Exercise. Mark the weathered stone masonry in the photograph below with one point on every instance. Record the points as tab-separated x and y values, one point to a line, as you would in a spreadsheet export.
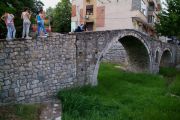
34	70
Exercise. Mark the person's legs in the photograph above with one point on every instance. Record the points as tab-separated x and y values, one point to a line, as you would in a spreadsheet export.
43	28
24	29
39	29
13	31
27	31
9	32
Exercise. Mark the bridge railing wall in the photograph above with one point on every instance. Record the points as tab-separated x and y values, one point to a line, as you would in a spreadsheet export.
34	70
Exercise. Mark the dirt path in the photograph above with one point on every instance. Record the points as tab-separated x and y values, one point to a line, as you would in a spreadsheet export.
52	111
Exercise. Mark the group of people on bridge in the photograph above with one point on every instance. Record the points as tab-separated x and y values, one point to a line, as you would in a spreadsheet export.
8	18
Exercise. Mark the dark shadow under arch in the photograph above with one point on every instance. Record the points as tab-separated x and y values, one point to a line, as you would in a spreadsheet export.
166	59
138	57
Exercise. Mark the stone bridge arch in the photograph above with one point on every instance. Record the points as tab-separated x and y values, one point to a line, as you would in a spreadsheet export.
35	70
136	46
166	58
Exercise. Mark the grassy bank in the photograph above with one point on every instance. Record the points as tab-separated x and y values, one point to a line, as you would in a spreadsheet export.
123	96
20	112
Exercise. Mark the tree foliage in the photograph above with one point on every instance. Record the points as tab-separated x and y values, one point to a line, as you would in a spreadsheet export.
62	17
16	7
170	19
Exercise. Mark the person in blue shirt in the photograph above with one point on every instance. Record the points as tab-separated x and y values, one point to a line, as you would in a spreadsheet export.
40	23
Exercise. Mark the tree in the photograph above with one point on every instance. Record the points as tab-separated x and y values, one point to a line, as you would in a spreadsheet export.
49	13
170	19
62	17
16	7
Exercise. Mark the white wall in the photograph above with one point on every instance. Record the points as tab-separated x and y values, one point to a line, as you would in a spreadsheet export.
118	15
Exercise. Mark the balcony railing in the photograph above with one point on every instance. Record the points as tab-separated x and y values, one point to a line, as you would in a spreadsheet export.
89	18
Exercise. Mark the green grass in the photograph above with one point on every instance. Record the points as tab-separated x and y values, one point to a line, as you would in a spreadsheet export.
174	88
172	76
20	112
122	96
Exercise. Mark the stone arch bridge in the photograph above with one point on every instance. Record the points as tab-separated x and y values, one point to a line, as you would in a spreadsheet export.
144	54
34	70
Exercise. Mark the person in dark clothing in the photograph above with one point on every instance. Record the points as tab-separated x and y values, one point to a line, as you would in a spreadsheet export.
85	27
81	28
78	29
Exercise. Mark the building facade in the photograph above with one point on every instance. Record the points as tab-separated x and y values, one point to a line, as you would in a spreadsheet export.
116	14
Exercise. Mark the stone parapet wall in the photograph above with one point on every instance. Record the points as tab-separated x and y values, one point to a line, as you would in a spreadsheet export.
33	70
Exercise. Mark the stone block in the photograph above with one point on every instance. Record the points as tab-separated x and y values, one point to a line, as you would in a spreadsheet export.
2	62
35	81
20	99
23	88
21	94
28	92
36	90
7	82
16	90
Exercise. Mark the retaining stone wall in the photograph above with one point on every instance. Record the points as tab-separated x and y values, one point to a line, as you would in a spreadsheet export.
33	70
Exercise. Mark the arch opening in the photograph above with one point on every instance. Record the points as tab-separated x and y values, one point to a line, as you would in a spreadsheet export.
137	54
166	59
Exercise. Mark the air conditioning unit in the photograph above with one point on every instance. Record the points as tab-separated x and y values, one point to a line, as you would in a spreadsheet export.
86	16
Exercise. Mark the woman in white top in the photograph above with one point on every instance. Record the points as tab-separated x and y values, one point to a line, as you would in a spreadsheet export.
26	23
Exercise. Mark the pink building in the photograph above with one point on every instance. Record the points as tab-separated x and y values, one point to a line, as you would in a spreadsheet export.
116	14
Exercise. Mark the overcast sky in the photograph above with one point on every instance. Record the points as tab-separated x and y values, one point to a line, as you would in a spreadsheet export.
50	3
53	3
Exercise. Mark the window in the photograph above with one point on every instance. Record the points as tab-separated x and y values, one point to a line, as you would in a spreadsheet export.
143	8
150	18
89	10
151	6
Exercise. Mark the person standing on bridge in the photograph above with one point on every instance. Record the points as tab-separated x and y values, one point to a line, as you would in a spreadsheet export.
9	21
26	15
40	22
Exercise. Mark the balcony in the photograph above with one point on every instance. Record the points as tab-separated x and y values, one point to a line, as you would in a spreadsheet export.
89	18
152	13
140	15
